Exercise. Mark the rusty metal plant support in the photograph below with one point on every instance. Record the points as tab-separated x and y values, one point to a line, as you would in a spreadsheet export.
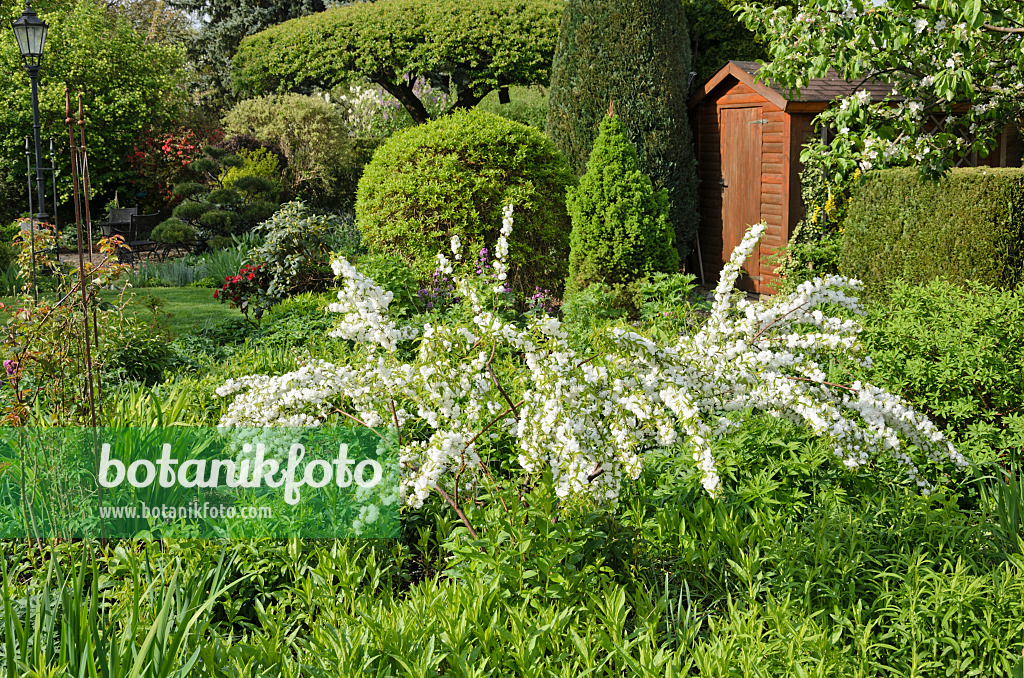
75	150
84	165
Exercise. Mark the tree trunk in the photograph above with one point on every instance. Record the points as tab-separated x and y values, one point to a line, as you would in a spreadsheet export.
408	99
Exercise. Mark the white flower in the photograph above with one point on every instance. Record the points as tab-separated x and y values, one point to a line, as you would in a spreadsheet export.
920	25
588	420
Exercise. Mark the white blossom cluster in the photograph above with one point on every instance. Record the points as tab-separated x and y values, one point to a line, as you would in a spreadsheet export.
587	419
364	306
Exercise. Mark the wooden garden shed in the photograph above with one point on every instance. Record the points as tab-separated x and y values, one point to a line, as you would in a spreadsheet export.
748	137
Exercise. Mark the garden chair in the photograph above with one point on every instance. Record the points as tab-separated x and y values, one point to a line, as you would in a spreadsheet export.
141	232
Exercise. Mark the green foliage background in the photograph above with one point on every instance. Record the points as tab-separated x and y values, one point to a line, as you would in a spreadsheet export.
620	228
966	226
222	26
324	161
637	54
957	354
129	86
717	36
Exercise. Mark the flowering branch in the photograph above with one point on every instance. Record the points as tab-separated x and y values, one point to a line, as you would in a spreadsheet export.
587	422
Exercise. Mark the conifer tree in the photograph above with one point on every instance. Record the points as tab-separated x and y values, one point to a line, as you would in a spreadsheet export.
637	54
620	227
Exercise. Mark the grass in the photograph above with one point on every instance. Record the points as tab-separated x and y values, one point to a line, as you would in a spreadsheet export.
183	309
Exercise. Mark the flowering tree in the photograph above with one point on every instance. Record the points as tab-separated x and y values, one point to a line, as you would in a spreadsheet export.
961	61
587	418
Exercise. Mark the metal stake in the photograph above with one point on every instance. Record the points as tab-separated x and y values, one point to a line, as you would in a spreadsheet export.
85	173
81	260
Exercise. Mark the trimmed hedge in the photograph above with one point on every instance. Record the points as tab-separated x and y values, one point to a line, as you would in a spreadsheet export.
967	226
453	176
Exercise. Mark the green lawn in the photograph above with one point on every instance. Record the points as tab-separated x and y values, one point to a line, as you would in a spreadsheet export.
185	309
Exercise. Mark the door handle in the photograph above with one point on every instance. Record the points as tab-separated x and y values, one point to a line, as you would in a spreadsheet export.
722	183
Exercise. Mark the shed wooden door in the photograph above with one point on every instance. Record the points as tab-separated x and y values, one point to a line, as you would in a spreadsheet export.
741	183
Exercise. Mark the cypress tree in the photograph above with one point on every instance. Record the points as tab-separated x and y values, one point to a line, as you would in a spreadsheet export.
635	53
620	227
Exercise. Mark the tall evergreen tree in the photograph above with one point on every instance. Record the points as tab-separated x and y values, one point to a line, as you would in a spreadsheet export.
635	53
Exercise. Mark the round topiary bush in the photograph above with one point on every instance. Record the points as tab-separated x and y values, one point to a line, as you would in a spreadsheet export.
174	231
452	177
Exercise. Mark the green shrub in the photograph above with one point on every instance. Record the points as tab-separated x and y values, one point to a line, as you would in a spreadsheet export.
261	163
452	177
620	228
296	321
967	226
134	350
637	55
295	255
324	162
526	105
957	354
174	232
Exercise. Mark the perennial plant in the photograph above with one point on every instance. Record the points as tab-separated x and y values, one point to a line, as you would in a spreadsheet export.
587	418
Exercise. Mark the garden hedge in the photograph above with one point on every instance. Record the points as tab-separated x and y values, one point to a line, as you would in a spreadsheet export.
967	226
453	176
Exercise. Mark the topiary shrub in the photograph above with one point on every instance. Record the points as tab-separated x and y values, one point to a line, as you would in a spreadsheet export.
452	177
214	210
468	47
637	54
174	231
967	226
620	229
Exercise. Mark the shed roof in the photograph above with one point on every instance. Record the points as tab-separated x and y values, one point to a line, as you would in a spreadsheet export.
816	96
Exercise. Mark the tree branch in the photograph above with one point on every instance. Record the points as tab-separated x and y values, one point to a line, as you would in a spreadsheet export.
1001	29
407	98
458	510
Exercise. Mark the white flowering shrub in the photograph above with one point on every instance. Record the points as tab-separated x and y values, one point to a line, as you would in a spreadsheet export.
587	418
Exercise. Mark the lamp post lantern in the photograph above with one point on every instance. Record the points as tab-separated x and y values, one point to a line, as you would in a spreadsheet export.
30	32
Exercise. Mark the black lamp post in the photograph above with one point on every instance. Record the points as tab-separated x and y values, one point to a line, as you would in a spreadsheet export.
30	32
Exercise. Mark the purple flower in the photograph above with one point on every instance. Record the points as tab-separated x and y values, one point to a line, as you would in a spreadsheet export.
11	366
